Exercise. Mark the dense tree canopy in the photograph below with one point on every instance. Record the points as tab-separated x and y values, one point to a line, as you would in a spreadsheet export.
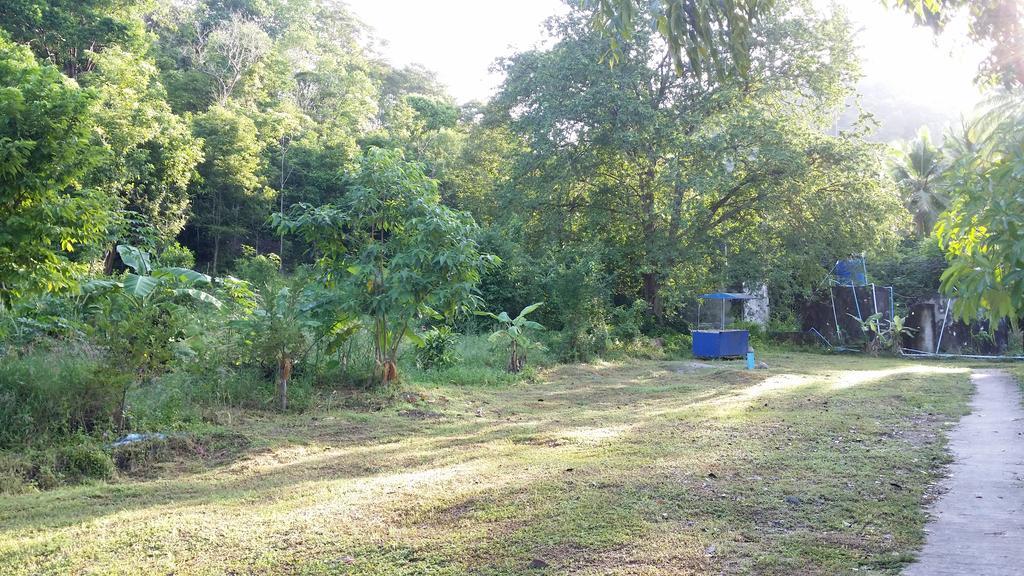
982	231
47	152
661	170
695	154
717	37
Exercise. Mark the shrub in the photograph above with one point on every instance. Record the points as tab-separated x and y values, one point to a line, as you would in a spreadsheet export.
258	269
579	296
14	473
75	461
758	334
53	394
628	321
175	254
437	349
677	344
81	461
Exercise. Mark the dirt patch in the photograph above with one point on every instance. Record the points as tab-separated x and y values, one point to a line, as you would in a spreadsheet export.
151	457
539	441
417	414
687	367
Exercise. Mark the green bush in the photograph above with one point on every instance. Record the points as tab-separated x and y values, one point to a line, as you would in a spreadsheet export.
579	297
14	473
83	461
437	349
628	321
78	459
259	269
758	334
677	344
175	254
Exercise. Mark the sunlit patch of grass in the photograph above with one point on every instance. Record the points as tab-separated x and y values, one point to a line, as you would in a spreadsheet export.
816	466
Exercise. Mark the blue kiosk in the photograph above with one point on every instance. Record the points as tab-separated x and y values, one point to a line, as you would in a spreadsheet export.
721	342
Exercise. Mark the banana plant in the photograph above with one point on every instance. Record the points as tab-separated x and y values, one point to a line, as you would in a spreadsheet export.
515	333
138	316
883	335
897	330
146	283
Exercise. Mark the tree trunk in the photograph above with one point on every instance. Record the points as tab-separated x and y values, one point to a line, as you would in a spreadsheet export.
216	252
387	371
651	296
516	359
284	374
108	260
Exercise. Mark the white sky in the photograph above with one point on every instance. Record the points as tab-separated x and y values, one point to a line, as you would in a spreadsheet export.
460	39
936	72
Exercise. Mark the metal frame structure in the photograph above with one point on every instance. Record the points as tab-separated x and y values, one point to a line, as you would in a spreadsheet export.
723	297
833	283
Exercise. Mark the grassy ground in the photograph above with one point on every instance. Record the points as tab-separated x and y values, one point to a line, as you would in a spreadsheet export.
817	466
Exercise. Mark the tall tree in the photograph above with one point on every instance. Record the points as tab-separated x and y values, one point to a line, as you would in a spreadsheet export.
659	169
151	154
232	201
983	230
918	168
46	153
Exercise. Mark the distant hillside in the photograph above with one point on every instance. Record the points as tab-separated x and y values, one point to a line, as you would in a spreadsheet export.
898	116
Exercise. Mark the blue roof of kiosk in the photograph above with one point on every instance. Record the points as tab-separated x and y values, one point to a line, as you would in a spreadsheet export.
727	296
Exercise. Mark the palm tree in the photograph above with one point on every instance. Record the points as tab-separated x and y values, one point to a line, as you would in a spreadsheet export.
918	168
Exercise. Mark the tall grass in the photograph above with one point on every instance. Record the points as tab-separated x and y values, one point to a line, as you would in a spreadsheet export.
45	395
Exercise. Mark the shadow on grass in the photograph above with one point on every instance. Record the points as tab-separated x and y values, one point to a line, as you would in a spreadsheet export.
598	468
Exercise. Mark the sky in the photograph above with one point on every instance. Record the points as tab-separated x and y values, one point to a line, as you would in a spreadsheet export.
460	39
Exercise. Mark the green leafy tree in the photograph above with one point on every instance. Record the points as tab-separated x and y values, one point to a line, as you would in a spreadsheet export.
47	151
231	201
151	153
279	329
661	171
138	316
396	252
981	232
66	33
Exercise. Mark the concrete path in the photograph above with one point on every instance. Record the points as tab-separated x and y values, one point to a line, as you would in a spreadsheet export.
977	526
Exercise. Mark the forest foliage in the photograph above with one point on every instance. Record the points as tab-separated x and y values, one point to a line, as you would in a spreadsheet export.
240	203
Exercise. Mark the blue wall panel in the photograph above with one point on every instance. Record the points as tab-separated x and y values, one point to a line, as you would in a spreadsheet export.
720	343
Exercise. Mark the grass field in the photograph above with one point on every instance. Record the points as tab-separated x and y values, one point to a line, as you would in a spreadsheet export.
819	465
